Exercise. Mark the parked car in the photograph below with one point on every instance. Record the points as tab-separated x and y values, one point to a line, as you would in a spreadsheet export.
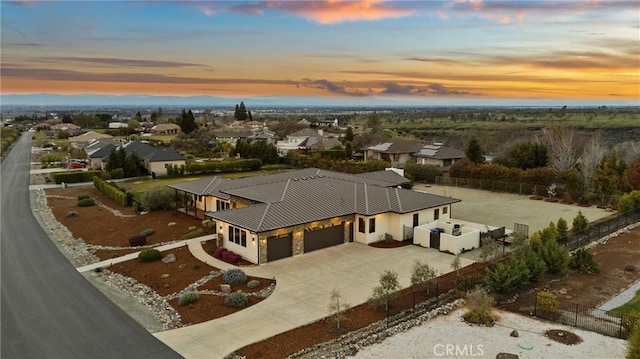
76	165
49	145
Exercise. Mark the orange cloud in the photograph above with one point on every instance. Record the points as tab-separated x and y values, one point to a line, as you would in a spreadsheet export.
331	11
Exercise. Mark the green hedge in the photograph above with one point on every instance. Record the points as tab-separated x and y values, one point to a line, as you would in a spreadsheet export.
110	191
252	164
74	176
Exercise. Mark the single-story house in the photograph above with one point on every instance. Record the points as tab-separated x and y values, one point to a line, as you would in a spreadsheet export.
307	140
165	129
265	218
232	137
393	152
438	155
68	128
155	159
84	139
96	150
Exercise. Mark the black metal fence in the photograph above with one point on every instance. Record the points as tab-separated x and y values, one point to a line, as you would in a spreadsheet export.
601	228
588	318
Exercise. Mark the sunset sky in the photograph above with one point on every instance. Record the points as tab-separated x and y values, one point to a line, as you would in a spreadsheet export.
454	51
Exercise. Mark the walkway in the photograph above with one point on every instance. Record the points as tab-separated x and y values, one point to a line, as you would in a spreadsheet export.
621	298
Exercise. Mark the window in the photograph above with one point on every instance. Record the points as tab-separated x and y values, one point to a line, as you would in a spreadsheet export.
445	210
221	205
436	214
372	225
238	236
361	225
415	219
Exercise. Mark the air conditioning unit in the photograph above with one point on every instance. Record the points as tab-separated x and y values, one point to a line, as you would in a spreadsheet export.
456	231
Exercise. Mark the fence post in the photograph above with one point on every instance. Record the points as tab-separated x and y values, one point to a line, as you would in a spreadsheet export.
437	292
620	329
535	307
576	321
387	312
413	308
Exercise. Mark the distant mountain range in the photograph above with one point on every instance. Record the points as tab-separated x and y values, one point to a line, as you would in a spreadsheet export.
190	101
281	101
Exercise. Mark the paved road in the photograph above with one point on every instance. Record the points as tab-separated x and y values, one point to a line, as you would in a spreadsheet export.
48	309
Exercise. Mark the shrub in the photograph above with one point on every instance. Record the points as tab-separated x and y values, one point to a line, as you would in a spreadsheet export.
231	257
580	222
147	232
158	197
137	240
150	255
506	278
193	234
536	266
547	302
555	256
630	319
219	252
195	266
73	176
633	343
188	298
136	207
71	214
583	261
236	300
83	196
86	202
234	276
480	305
562	229
467	283
629	268
387	289
253	284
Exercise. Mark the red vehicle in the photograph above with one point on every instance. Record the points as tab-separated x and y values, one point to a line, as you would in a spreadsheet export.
76	165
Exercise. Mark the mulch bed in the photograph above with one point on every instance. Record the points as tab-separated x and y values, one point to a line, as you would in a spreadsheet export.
563	336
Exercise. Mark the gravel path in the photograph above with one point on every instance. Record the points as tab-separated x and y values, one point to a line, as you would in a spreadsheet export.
442	336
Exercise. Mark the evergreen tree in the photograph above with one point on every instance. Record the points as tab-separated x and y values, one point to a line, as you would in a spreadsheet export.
474	151
580	222
562	229
241	112
348	136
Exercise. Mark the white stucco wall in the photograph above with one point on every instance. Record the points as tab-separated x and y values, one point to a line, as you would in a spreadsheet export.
250	252
470	237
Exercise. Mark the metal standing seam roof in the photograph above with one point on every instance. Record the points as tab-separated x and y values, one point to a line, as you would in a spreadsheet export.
310	199
439	152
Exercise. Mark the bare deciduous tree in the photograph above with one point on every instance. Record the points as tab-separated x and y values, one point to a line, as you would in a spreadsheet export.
337	307
564	147
592	155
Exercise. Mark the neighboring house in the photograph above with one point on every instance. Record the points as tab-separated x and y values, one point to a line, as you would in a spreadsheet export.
155	159
400	152
264	135
96	150
265	218
438	155
116	125
393	152
231	137
307	140
42	126
165	129
68	128
84	139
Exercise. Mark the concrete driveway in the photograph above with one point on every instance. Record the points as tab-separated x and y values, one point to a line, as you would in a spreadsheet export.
302	294
505	209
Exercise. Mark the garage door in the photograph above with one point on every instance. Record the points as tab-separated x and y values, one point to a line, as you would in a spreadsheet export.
323	238
279	247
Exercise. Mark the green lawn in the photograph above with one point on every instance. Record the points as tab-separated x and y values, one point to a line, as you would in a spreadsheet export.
633	304
139	185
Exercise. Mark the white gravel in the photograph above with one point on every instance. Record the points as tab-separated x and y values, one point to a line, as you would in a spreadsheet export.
449	336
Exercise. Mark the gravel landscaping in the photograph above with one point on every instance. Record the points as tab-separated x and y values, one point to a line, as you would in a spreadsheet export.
449	336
